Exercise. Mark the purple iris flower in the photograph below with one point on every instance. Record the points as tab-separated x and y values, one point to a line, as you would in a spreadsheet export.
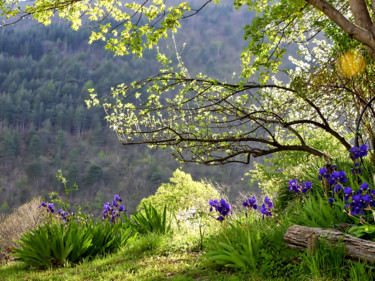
222	207
323	172
364	186
112	210
358	152
250	203
265	211
347	193
268	202
331	200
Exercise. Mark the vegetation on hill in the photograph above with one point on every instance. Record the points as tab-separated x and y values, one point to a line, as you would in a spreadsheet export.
45	74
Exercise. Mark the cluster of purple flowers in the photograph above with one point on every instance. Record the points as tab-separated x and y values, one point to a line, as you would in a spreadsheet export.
113	210
222	207
358	152
300	187
64	215
355	154
356	170
250	203
265	209
362	199
50	207
333	176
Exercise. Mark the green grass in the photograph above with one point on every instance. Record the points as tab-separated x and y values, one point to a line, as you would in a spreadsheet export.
128	265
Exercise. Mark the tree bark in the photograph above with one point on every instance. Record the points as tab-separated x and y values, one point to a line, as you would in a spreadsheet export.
302	237
362	34
361	14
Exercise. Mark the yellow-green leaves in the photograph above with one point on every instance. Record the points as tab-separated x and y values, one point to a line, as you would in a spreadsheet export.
126	27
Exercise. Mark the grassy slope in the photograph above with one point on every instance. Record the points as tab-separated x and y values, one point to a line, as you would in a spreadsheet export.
129	265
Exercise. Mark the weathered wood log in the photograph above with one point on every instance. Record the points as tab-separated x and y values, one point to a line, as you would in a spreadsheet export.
303	236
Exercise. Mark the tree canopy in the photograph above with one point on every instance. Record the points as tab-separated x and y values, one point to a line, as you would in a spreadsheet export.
213	122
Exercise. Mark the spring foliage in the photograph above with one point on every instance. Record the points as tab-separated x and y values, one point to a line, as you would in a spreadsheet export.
182	193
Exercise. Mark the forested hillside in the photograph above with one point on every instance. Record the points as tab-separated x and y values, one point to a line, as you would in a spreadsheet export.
45	126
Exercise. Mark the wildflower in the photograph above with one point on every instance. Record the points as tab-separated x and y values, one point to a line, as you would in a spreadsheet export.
302	187
368	201
364	186
220	218
112	210
331	200
44	204
338	176
266	207
250	203
347	193
268	202
265	211
50	207
222	207
64	215
337	188
356	170
294	186
306	186
323	173
358	152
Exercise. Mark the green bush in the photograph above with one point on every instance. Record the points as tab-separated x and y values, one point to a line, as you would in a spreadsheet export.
182	193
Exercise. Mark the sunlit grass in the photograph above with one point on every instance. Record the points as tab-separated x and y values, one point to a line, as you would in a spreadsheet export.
127	265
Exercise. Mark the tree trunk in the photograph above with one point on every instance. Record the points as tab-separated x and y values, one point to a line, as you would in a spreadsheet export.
303	237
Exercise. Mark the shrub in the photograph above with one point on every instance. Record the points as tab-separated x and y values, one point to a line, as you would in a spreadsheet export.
182	193
21	220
